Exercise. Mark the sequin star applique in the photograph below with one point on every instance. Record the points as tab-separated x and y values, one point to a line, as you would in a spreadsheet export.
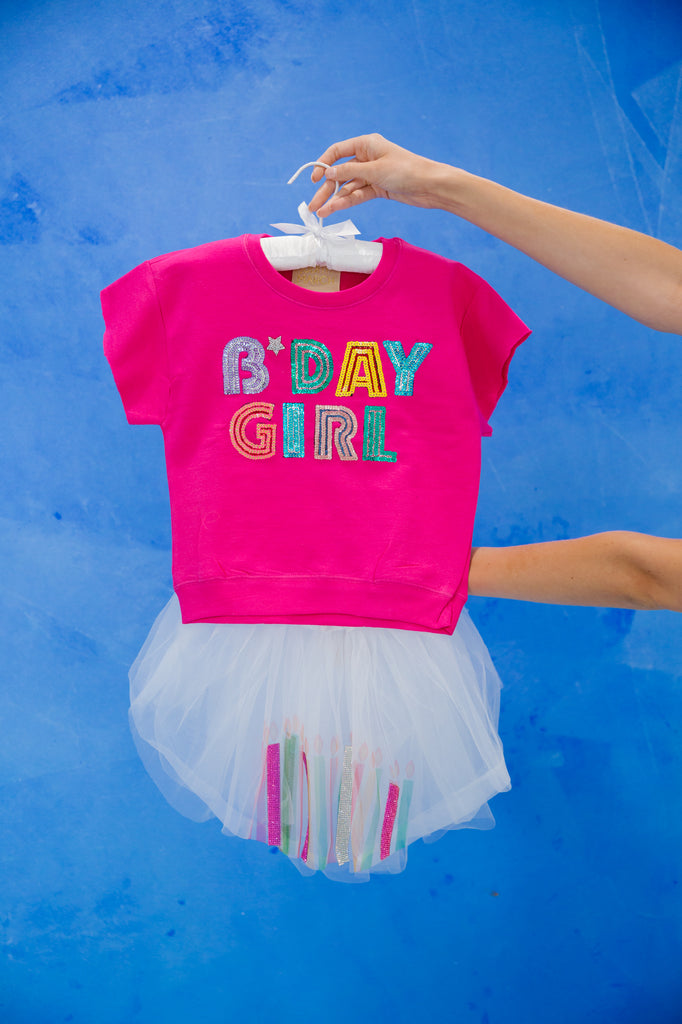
275	344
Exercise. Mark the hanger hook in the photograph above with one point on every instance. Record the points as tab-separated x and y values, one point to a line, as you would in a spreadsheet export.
311	163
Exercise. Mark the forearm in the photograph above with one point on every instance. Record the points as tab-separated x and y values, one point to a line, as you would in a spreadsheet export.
614	570
639	275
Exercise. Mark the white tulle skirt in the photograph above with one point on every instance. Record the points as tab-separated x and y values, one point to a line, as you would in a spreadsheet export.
339	745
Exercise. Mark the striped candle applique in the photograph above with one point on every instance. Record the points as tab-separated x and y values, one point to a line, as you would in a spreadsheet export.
359	802
404	807
289	790
365	828
345	801
304	851
319	781
389	819
274	805
333	795
374	781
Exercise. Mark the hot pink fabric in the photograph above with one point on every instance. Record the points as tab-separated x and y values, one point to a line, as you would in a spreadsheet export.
368	519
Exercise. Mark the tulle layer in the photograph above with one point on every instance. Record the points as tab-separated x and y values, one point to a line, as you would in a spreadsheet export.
339	745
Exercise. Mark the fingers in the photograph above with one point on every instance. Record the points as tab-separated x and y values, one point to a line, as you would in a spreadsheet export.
348	171
321	196
352	173
363	147
349	147
358	173
344	199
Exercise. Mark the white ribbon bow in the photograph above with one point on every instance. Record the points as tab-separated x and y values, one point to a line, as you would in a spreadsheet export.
327	242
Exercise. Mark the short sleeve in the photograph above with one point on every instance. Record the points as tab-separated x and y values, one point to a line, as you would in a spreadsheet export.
491	333
135	345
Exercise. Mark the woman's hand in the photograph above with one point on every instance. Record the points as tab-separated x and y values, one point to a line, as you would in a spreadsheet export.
378	170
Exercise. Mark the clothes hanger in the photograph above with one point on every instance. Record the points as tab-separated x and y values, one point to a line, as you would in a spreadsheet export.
315	244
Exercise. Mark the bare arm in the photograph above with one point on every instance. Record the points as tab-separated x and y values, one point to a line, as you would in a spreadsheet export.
614	570
637	274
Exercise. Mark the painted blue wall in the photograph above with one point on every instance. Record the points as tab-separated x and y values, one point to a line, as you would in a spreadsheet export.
131	129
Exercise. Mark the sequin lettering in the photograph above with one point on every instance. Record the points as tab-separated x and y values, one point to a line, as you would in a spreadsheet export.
253	362
302	352
264	446
374	436
292	430
361	368
406	366
339	423
312	371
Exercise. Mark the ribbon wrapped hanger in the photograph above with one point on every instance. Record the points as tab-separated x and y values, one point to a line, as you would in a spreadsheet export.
316	244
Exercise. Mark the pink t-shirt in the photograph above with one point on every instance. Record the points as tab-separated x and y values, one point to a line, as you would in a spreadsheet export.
322	448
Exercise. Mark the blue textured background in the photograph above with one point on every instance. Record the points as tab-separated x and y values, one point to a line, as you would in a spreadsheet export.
131	129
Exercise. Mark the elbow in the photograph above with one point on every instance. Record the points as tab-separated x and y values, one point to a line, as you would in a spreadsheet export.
647	579
676	312
668	316
657	600
654	596
645	597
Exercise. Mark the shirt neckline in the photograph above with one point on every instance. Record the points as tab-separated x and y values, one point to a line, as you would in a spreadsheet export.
306	297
